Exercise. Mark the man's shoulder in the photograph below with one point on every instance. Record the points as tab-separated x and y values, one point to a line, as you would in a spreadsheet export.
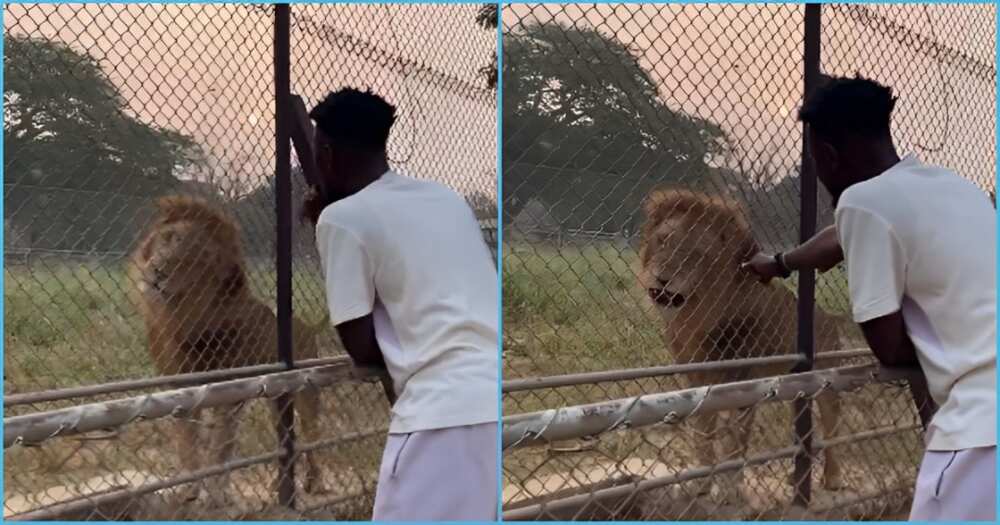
428	185
865	196
433	191
347	213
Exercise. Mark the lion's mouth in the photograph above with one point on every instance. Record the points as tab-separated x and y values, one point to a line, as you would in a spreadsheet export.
151	286
665	297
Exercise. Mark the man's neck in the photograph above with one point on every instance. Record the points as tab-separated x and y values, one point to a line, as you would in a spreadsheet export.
875	163
370	173
870	164
884	160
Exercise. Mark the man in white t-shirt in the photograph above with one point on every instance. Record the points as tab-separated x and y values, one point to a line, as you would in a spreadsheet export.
411	286
920	247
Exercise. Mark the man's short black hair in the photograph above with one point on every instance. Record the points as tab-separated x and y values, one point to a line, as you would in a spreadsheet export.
842	107
355	118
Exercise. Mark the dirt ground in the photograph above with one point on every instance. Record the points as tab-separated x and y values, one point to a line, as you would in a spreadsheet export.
77	467
249	499
879	472
679	502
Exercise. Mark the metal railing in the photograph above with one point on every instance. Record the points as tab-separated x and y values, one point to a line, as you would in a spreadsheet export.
675	126
111	107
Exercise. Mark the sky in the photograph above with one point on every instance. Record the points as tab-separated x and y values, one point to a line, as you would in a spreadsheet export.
741	66
206	70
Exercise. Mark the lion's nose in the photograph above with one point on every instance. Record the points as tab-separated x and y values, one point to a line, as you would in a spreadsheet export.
159	274
663	283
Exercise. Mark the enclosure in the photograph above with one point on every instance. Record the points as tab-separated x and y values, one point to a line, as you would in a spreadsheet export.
108	108
602	104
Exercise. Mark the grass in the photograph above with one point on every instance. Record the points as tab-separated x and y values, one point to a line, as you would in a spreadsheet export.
74	324
71	324
579	309
573	309
569	309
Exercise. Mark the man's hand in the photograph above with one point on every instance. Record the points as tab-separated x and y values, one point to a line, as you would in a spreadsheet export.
822	252
763	267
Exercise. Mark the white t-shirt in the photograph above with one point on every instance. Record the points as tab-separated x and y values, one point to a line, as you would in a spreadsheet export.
923	240
411	253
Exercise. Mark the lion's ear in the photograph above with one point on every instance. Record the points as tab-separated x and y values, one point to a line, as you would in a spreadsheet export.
662	200
171	206
735	228
743	237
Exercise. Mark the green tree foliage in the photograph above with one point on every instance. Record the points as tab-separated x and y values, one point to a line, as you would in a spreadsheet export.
257	215
585	131
78	168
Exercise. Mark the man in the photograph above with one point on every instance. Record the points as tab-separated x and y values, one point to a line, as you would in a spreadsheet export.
411	286
920	247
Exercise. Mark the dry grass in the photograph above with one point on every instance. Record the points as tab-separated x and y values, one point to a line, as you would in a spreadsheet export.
71	324
577	309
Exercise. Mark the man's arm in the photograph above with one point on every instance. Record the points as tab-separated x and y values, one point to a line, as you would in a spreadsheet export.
350	291
876	277
821	252
358	337
887	338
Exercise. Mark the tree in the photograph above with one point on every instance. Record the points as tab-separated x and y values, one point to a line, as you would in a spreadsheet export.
257	215
488	17
585	130
77	167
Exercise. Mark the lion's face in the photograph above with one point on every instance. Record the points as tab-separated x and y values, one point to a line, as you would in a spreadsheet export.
190	249
691	246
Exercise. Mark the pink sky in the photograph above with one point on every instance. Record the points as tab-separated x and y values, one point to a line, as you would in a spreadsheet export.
741	66
206	70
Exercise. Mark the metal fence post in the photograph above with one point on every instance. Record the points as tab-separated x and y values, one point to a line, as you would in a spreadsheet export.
807	279
283	250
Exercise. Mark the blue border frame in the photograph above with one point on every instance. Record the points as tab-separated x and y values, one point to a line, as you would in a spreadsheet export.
499	174
996	55
3	315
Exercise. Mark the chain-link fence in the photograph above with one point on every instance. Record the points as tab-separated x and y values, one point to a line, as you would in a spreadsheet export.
648	149
108	108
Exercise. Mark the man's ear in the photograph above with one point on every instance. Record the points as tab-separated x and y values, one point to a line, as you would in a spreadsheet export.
825	154
833	155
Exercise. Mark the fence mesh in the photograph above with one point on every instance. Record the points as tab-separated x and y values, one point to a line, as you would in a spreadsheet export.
646	149
108	108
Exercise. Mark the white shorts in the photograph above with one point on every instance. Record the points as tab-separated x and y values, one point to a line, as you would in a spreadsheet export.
957	485
447	474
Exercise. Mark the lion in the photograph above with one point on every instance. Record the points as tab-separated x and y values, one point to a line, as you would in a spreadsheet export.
690	249
188	279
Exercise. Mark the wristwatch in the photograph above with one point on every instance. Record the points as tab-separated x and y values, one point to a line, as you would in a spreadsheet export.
779	259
